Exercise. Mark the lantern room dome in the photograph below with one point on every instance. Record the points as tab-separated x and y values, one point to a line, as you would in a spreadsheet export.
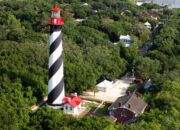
55	9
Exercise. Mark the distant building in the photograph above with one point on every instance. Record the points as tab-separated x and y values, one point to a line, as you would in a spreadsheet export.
158	9
126	40
105	85
127	108
95	11
139	2
152	16
147	84
72	105
114	43
147	25
79	20
85	4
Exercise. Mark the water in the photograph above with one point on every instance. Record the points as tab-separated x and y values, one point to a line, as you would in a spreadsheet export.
170	3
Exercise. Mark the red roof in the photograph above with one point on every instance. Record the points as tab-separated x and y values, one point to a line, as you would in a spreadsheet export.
74	101
55	9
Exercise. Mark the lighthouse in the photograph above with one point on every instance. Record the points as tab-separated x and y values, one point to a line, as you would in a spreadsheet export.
56	77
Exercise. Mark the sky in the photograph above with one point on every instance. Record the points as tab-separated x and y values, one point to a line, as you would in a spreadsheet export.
173	3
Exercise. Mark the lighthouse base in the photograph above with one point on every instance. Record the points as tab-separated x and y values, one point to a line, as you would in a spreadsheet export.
55	106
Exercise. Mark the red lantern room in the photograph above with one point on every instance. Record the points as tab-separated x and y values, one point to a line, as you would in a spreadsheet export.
56	18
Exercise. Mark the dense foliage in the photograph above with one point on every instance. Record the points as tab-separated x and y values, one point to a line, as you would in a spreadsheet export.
88	55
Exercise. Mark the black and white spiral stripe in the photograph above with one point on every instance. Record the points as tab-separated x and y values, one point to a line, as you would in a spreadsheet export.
56	76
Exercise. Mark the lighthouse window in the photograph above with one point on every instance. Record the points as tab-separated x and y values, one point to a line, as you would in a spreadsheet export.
54	21
56	14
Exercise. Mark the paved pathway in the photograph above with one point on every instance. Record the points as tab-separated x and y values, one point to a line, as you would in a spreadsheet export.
98	107
145	48
37	105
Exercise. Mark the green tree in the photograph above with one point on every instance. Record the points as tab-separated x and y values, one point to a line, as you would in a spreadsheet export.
16	32
145	67
165	41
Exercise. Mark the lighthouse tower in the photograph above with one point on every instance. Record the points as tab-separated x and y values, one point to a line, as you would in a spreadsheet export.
55	66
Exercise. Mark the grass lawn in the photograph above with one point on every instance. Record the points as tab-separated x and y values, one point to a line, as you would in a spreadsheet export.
91	106
104	109
135	86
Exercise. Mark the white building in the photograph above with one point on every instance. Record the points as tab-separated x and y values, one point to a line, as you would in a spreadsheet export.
105	85
72	105
126	40
139	2
147	25
85	4
95	11
148	84
79	20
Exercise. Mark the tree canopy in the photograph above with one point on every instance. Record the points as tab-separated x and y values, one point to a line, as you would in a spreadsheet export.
88	55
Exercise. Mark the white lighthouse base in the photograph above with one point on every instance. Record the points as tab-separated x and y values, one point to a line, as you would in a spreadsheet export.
55	106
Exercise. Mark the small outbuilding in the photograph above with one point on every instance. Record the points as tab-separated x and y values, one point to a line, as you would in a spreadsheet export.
79	20
148	84
127	108
85	4
126	40
72	105
147	25
105	85
139	2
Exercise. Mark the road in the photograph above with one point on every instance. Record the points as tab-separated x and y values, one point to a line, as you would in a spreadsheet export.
145	48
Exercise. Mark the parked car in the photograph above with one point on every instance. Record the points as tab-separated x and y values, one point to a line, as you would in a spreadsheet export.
138	81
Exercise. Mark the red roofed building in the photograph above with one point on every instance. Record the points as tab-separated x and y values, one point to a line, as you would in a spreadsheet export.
72	105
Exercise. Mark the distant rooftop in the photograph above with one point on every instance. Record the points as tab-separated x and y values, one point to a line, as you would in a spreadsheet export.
147	24
127	37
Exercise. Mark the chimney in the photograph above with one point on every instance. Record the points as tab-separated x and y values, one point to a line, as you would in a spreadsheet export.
129	105
119	104
137	94
128	93
75	94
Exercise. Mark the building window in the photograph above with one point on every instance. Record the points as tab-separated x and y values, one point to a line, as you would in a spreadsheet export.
124	113
66	107
71	108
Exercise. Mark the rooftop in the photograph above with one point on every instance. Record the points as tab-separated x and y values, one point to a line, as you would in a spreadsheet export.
73	100
137	104
127	37
105	84
147	24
